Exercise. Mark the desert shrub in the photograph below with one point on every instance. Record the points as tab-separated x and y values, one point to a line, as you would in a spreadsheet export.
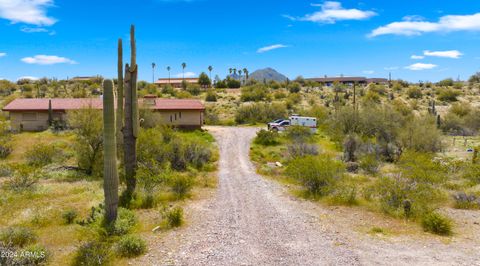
294	87
436	223
24	178
259	112
448	95
344	193
232	83
279	95
302	149
126	220
168	89
460	109
40	154
299	133
193	89
183	95
266	138
254	93
369	163
197	153
149	118
5	147
472	173
318	174
33	255
181	185
464	201
211	96
17	236
414	93
174	217
69	216
130	246
5	170
94	253
420	167
421	135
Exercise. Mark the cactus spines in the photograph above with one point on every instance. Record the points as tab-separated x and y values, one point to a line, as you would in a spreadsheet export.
110	174
133	83
119	113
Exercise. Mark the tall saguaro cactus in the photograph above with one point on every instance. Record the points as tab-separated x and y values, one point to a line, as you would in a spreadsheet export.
130	129
110	174
119	113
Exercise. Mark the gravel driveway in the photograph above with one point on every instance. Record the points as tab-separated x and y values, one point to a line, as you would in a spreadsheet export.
250	220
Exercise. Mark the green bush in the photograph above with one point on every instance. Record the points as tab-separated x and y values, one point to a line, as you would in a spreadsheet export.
294	87
69	216
266	138
232	83
299	133
40	154
181	185
17	236
259	112
436	223
94	253
448	95
301	149
5	147
130	246
24	178
369	163
254	93
211	96
174	217
318	174
414	93
126	220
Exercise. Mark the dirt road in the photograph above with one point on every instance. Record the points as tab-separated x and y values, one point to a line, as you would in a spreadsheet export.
254	221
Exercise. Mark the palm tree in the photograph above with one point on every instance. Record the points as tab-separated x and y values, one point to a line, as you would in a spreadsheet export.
168	69
234	72
240	73
153	72
210	68
230	70
245	70
184	65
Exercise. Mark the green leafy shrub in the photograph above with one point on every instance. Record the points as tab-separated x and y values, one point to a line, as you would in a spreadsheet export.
130	246
40	154
259	112
211	96
301	149
181	185
69	216
464	201
94	253
299	133
5	147
17	236
254	93
5	170
414	93
369	163
448	95
24	178
436	223
174	217
318	174
126	220
266	138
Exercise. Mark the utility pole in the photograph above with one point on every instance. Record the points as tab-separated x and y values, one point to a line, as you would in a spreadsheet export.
153	72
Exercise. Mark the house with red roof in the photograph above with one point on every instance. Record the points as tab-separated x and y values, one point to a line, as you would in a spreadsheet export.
32	114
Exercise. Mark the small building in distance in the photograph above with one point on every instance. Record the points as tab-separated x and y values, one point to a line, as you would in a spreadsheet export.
328	81
175	82
32	114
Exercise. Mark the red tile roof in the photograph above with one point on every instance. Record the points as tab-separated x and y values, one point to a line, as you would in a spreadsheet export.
60	104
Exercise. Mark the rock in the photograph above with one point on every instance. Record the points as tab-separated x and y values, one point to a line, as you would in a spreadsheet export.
155	229
279	164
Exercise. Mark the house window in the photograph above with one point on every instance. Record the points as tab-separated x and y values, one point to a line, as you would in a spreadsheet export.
175	116
171	120
29	116
180	115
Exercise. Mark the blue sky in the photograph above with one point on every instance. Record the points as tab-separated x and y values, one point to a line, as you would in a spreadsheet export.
415	40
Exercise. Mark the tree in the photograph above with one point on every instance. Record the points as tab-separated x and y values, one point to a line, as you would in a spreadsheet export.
184	65
210	68
204	80
245	70
87	125
153	72
168	69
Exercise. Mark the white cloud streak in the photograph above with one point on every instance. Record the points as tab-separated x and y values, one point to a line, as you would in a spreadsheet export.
47	60
3	54
270	48
368	72
332	12
417	57
32	12
455	54
420	66
449	23
27	77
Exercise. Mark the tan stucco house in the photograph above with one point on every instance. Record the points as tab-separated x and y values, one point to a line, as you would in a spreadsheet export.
32	114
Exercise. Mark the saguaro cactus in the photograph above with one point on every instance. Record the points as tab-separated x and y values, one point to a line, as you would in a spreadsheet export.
130	129
119	113
110	174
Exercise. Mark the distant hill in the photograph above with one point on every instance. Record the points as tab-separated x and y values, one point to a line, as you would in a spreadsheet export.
267	74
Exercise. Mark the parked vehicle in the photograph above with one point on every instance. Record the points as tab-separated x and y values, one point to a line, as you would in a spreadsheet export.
294	120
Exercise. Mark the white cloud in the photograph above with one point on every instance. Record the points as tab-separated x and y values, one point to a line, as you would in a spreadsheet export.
27	11
332	12
187	75
417	57
47	60
409	27
271	47
420	66
368	72
28	77
3	54
455	54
